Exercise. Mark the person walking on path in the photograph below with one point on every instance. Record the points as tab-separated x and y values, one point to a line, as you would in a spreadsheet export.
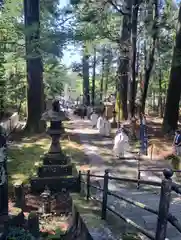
177	143
100	125
107	127
120	143
94	118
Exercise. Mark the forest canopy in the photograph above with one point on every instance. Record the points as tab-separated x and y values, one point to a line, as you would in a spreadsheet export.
128	48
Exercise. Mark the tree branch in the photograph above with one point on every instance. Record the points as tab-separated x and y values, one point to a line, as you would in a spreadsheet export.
117	8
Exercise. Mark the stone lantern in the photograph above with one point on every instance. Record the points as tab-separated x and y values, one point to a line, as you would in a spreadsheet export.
56	170
55	116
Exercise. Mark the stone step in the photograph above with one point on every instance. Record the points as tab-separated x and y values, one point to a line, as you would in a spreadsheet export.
54	170
54	184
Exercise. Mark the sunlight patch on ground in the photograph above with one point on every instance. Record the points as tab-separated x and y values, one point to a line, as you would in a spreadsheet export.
86	131
69	144
76	152
90	149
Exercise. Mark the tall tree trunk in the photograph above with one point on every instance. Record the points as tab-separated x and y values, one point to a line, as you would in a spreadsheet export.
132	82
2	87
85	74
171	114
107	69
2	75
93	77
151	56
123	88
106	82
160	101
35	90
123	68
102	77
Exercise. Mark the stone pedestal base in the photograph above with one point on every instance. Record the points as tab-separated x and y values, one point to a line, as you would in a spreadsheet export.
55	159
55	170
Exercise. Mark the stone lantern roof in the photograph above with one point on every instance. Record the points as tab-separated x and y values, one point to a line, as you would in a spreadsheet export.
55	114
52	116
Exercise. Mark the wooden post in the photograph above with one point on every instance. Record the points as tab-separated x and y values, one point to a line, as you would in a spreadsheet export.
19	195
164	205
139	174
105	191
88	185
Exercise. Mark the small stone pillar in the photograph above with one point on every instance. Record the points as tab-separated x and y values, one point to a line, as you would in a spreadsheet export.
46	195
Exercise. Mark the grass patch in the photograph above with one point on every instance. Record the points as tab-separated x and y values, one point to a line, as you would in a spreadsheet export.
24	156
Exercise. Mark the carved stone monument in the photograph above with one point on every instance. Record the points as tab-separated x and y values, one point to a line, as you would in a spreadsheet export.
55	116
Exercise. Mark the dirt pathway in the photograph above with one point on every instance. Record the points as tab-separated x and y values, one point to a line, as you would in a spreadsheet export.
99	152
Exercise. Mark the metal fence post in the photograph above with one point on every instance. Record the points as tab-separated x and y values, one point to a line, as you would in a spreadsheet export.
105	191
79	181
139	173
88	185
164	205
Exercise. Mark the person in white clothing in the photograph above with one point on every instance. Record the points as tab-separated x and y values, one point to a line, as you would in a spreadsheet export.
100	125
121	143
94	118
107	127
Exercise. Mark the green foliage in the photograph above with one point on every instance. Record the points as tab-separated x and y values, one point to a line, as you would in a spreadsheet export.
18	233
13	83
74	2
55	76
92	25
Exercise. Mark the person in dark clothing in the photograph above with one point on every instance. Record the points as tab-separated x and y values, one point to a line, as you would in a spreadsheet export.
177	143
